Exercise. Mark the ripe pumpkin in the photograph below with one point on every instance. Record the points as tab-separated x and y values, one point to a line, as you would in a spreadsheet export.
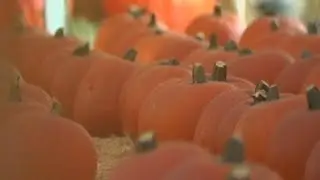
68	76
225	25
265	65
256	130
96	105
27	158
165	45
312	166
291	79
158	159
179	102
231	165
138	87
293	140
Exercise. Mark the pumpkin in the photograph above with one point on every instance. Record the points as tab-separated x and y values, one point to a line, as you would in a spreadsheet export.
158	159
271	12
256	130
68	76
179	102
215	111
265	65
178	14
96	105
231	165
293	140
312	166
138	87
165	45
225	25
210	55
312	77
292	82
27	158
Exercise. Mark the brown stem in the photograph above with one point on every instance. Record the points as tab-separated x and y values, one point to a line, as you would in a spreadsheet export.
313	97
219	71
273	93
153	20
131	55
59	33
146	142
198	74
231	46
258	97
213	42
274	25
262	85
137	11
242	172
56	108
15	94
313	28
200	36
234	151
170	62
217	11
83	50
306	54
245	52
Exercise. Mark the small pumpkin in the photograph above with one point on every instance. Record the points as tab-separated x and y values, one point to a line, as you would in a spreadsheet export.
225	25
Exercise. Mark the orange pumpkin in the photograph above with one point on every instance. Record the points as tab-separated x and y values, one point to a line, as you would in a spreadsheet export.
231	165
179	102
265	65
158	159
312	166
165	45
293	140
40	138
68	76
138	87
96	105
226	26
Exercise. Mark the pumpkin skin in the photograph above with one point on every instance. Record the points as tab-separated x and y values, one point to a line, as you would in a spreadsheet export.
225	26
263	65
138	87
250	124
10	13
165	45
28	159
158	160
293	140
312	166
290	81
312	77
96	105
179	102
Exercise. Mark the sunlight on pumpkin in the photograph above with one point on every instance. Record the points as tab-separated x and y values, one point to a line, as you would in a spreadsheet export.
55	14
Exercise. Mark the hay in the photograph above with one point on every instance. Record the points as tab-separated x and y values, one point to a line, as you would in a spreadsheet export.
110	152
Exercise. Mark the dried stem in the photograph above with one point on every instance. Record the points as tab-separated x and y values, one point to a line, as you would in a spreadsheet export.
274	25
217	11
259	96
231	46
131	55
213	42
313	97
262	85
219	71
170	62
146	142
83	50
198	74
234	151
136	11
56	108
59	33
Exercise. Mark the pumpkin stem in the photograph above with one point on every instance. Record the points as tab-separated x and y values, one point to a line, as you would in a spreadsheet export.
136	11
219	71
200	36
146	142
313	28
273	93
274	25
262	85
241	172
171	62
131	55
313	97
83	50
213	42
198	74
306	54
234	151
153	20
258	97
59	33
245	52
217	11
56	107
15	94
230	46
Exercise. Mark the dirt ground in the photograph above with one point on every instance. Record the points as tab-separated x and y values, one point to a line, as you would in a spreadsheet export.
110	152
